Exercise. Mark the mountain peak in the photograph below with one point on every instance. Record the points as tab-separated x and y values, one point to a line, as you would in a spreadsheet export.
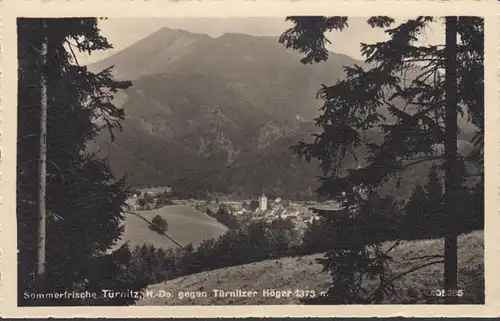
243	36
167	30
237	34
153	54
259	88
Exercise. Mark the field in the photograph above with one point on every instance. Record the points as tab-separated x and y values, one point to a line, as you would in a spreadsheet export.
304	273
185	225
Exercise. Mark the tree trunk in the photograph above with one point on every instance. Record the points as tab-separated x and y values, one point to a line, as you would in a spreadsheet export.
450	153
42	161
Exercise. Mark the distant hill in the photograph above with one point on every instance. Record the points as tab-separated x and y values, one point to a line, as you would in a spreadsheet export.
185	225
217	114
245	99
305	274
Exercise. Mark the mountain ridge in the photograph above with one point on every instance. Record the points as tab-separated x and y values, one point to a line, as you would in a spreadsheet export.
217	114
240	96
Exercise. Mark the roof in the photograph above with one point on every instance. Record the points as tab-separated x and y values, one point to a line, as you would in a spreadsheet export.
330	206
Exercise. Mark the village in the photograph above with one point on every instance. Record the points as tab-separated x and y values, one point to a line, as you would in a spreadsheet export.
263	208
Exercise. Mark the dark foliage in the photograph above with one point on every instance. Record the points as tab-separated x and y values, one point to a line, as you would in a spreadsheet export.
150	199
141	202
223	215
164	200
400	94
84	202
153	265
319	237
253	243
158	224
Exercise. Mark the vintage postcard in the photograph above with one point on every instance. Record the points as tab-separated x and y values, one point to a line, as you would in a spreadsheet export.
205	159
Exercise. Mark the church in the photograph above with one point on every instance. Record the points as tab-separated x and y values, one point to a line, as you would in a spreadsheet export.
263	203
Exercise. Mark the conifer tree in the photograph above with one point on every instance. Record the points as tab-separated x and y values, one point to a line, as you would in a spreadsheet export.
42	165
425	207
411	94
84	202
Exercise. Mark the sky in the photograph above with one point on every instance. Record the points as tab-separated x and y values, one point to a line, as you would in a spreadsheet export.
123	32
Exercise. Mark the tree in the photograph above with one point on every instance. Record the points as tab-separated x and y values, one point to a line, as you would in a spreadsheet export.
258	246
42	165
148	198
152	265
425	208
158	224
141	202
84	202
163	200
187	264
280	233
225	217
411	95
319	236
450	155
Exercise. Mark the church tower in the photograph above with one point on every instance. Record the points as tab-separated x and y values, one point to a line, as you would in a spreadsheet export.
263	203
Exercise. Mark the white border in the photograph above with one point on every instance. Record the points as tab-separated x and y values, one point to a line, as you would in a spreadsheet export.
149	8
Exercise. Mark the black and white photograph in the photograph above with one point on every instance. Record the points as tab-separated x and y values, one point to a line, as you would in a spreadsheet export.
246	161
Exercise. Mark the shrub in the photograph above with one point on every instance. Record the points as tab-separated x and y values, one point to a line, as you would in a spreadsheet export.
224	216
163	200
141	202
148	198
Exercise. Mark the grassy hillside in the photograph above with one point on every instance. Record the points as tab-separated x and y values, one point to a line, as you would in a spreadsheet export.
185	225
303	273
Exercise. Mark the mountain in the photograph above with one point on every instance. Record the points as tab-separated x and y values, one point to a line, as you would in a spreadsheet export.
154	54
216	114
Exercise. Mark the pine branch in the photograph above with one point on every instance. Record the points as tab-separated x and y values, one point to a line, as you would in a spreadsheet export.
425	257
350	106
421	160
396	243
70	46
400	275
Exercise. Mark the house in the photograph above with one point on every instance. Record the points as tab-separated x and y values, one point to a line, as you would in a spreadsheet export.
251	205
334	211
